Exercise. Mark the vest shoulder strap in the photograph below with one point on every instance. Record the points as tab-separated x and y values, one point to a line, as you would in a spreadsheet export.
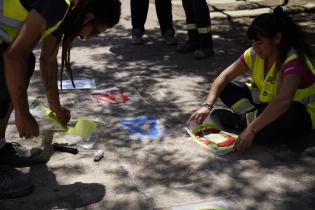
292	54
250	57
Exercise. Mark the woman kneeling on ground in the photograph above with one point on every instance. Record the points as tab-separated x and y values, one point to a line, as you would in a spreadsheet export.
281	98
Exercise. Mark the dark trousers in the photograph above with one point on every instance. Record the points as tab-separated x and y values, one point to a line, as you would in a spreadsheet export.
139	11
292	123
197	12
4	93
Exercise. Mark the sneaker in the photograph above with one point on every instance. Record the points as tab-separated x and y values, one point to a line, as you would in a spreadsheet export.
203	53
16	155
136	37
13	183
169	37
229	120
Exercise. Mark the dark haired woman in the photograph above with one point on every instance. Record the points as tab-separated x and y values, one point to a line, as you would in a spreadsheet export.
23	24
281	98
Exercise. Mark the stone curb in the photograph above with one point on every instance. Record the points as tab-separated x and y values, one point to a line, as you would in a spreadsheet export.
227	14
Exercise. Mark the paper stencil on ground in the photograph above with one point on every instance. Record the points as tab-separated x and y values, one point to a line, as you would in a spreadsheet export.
79	84
36	107
82	134
110	96
143	127
212	136
83	128
214	205
39	109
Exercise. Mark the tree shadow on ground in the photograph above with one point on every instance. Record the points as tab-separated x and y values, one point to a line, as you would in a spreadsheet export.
172	166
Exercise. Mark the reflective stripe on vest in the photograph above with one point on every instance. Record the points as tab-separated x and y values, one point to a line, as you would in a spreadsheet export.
11	21
7	20
12	16
267	86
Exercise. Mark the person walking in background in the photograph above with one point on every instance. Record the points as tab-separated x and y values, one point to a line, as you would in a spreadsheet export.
139	11
198	26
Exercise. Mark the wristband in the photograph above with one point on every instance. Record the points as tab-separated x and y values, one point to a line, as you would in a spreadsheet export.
207	105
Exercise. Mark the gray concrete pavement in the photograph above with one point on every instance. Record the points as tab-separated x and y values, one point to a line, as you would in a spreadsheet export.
171	171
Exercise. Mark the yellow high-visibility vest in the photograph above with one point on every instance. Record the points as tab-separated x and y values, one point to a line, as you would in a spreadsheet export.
267	86
12	16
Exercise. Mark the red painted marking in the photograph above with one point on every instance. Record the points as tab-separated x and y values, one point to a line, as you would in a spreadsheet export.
206	142
229	141
111	97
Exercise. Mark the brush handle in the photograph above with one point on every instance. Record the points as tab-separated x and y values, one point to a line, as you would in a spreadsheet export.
65	148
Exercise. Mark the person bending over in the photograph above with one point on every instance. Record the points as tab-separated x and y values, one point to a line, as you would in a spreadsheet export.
24	23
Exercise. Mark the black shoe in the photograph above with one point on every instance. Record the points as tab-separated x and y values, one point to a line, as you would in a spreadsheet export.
203	53
169	37
136	37
229	120
187	47
16	155
13	183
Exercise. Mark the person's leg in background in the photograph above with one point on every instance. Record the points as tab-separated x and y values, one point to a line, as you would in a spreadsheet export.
192	44
203	22
165	17
139	12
